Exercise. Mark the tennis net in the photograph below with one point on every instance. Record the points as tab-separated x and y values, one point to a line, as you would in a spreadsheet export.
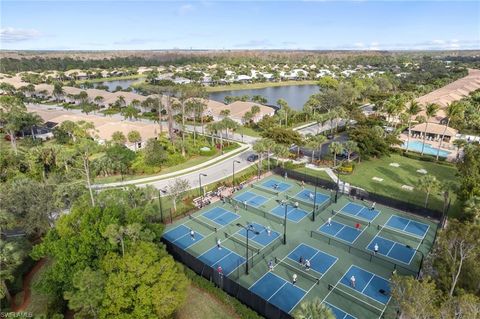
234	202
265	189
203	223
350	218
378	311
297	270
242	243
413	238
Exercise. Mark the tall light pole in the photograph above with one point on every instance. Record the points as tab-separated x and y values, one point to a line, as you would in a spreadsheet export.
248	229
285	202
200	183
233	170
160	192
315	199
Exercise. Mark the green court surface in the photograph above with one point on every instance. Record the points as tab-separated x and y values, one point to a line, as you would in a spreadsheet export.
336	249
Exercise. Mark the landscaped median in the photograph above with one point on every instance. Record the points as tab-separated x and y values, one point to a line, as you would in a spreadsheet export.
243	148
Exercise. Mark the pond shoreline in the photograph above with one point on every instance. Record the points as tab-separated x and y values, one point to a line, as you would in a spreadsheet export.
253	86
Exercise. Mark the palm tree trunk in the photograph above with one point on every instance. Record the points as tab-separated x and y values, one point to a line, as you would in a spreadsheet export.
8	296
194	127
313	155
426	199
424	137
335	159
86	167
409	133
13	141
183	129
441	140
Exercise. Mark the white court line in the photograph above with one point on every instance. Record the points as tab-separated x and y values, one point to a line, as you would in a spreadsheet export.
369	220
277	290
305	294
367	284
346	313
386	255
318	250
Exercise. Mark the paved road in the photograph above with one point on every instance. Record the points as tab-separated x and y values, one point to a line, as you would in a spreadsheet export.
318	128
214	173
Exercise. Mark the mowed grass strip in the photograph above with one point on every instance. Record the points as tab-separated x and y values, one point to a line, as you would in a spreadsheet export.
202	305
405	174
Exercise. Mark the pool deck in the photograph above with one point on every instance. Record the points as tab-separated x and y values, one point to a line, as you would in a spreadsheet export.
449	147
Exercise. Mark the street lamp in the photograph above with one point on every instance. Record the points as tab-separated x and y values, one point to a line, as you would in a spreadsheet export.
315	199
285	202
248	229
200	183
160	191
233	169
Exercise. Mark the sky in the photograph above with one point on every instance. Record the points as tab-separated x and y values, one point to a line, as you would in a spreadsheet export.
307	25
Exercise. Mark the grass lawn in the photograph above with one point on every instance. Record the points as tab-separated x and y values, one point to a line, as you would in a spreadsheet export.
406	174
395	177
248	131
201	305
241	86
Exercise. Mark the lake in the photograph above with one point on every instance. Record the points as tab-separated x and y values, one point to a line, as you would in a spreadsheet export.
112	85
295	95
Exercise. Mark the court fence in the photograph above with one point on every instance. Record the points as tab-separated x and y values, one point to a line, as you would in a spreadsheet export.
229	285
370	256
356	192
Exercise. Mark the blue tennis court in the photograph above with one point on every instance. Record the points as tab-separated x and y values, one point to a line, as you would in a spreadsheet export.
224	257
392	249
320	261
180	236
408	226
360	211
293	214
309	196
278	291
368	284
252	199
220	216
276	185
263	238
339	313
341	231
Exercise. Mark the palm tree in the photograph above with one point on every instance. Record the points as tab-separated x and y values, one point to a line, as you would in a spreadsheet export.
32	120
281	151
412	110
321	119
134	137
284	106
428	184
335	148
314	309
459	143
315	143
58	90
120	101
453	111
99	99
430	111
260	147
350	147
130	112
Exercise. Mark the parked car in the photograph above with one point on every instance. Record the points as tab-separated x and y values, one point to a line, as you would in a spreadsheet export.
252	157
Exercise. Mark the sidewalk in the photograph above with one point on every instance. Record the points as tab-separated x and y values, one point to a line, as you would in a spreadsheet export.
217	160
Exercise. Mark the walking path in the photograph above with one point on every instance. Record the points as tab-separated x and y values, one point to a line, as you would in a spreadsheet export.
27	281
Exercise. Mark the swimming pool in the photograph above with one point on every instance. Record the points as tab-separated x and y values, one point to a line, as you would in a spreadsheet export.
416	146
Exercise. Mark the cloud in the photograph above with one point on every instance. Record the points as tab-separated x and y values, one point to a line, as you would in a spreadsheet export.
186	8
12	35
